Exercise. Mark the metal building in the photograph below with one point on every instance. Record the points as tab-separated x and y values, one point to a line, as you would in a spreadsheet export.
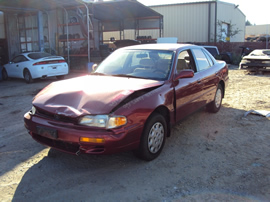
258	30
70	28
208	21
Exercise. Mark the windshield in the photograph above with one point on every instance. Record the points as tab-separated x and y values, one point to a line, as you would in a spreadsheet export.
147	64
267	52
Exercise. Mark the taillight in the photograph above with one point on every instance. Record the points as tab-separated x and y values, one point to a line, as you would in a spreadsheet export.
40	63
49	62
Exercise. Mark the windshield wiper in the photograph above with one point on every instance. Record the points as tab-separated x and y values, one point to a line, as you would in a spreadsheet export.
127	75
98	73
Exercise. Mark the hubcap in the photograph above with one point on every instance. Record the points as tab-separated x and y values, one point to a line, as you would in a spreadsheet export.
155	138
218	98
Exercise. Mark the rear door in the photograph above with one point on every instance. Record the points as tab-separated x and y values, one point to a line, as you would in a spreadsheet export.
208	74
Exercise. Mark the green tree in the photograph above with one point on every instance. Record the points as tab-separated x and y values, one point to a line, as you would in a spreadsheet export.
248	23
226	31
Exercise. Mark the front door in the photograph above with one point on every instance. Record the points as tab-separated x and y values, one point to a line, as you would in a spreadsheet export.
188	91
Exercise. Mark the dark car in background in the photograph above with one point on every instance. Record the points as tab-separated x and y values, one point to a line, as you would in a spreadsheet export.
225	56
130	102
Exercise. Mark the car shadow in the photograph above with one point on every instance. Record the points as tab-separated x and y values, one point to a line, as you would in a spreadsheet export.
16	146
190	152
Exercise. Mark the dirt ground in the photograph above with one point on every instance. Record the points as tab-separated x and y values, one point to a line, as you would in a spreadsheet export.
209	157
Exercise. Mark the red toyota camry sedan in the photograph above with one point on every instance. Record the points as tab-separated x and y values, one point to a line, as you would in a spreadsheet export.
130	102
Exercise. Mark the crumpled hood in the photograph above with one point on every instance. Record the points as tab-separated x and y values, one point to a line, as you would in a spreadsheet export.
89	94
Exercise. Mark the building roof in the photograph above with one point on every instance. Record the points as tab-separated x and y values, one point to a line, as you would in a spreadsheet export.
104	11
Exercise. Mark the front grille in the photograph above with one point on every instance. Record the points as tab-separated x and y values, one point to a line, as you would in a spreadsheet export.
64	146
56	117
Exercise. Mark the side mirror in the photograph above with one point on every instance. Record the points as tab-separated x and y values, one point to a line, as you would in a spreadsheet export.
187	73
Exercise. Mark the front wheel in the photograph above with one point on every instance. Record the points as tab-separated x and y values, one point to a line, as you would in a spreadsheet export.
215	105
153	138
27	76
4	74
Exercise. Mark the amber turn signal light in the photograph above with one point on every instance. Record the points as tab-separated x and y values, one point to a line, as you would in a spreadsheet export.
92	140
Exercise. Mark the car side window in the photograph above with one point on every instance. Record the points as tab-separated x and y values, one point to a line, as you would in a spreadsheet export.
19	58
185	61
209	58
202	61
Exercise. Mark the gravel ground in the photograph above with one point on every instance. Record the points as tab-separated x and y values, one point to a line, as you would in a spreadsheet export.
209	157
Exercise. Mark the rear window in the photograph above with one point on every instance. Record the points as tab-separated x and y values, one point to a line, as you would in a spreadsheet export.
35	56
266	52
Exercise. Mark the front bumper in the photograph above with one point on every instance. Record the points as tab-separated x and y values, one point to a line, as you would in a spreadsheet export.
253	66
66	136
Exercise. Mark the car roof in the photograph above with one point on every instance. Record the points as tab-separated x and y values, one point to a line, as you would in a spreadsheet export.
161	46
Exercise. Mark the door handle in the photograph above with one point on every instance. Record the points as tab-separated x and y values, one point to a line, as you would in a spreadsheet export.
199	81
17	65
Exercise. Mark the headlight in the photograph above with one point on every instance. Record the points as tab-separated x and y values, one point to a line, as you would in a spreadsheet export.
33	110
244	61
266	62
103	121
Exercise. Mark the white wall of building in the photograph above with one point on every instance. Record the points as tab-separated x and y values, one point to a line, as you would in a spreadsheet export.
193	22
258	30
228	13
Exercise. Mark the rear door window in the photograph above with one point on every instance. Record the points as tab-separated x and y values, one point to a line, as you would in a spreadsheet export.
211	62
201	60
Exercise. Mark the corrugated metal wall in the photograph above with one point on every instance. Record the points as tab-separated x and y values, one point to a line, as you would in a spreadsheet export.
230	14
187	22
13	37
2	26
192	22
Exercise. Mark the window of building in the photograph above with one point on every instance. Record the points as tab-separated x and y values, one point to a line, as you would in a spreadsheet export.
2	26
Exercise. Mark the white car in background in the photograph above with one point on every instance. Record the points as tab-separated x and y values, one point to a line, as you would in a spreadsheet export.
256	61
33	65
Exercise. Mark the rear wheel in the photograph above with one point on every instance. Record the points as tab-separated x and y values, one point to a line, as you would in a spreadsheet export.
27	76
153	138
4	74
215	105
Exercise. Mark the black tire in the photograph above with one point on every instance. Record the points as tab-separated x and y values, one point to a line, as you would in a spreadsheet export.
4	74
153	138
60	77
215	105
27	76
